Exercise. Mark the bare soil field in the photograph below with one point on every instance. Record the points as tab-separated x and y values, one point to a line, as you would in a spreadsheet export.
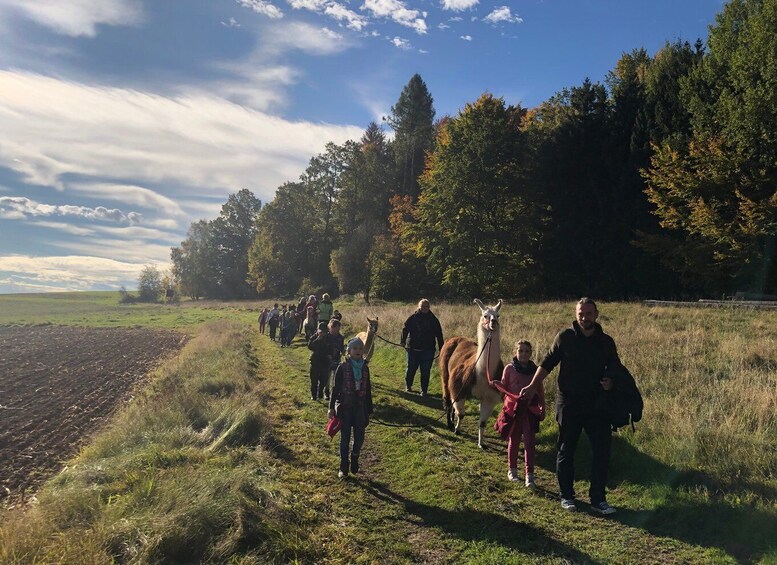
57	385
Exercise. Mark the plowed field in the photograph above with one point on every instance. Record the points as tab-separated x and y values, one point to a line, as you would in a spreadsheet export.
57	386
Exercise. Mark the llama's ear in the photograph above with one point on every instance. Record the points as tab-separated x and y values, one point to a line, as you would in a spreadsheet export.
498	305
480	305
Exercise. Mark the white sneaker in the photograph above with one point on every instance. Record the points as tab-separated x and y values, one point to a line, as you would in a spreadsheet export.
530	481
512	475
568	504
603	508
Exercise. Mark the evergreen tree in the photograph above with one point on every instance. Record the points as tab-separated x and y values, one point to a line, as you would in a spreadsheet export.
412	119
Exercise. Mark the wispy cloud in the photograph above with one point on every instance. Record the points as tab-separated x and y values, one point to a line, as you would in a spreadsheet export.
53	129
262	7
75	17
443	26
21	273
304	37
466	37
459	5
401	43
20	207
129	194
503	14
398	12
334	10
231	23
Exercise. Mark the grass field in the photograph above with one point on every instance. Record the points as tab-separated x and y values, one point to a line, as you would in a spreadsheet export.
224	458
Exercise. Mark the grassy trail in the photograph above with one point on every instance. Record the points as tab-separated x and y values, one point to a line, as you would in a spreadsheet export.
426	495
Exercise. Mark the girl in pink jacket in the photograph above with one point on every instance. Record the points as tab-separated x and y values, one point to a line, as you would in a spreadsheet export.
520	417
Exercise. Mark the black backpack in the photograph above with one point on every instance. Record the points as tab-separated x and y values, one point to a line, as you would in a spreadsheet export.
624	403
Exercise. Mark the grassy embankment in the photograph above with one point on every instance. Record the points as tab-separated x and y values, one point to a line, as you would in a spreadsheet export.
170	480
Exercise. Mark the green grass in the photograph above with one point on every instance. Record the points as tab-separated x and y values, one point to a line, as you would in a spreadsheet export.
225	459
102	309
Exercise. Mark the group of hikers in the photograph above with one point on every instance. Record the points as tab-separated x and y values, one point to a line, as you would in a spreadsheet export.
589	368
289	318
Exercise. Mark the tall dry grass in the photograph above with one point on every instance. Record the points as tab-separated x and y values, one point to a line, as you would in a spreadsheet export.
708	376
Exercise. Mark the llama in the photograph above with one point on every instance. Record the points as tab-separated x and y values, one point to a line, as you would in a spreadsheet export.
368	337
467	367
309	326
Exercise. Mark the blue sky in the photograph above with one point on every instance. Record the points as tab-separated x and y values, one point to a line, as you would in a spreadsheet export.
123	121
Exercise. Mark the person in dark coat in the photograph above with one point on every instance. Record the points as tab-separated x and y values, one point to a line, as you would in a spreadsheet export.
320	360
586	354
419	334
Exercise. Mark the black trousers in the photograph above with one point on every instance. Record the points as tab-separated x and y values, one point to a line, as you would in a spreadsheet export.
319	380
571	423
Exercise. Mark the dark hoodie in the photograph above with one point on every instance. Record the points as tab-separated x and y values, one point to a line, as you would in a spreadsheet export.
584	361
424	330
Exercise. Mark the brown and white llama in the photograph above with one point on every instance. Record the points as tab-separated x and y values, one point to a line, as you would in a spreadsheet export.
368	337
467	367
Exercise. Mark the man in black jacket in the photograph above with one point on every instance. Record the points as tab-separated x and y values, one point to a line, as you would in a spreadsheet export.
423	328
585	353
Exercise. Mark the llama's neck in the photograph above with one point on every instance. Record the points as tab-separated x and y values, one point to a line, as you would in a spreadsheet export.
370	339
488	352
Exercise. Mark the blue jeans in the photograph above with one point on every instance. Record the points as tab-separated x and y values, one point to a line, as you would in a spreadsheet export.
416	359
353	418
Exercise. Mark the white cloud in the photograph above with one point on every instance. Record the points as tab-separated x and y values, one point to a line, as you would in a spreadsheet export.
231	23
68	272
466	37
401	43
334	10
456	19
503	14
443	26
423	51
68	228
255	85
129	194
20	207
398	12
304	37
53	128
75	17
262	7
341	13
459	5
312	5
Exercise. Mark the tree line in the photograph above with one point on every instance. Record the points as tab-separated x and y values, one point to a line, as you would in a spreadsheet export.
661	181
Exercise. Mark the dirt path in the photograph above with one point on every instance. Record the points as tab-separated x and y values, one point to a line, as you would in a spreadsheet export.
57	385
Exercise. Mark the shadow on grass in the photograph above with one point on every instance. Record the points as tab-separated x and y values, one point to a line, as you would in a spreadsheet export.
478	526
689	512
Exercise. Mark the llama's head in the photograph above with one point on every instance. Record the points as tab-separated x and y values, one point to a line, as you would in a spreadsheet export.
372	325
490	315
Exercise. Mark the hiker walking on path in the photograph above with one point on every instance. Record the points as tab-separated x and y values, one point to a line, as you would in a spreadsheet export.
272	321
301	313
520	416
336	348
351	401
288	326
419	334
325	309
263	320
585	353
320	360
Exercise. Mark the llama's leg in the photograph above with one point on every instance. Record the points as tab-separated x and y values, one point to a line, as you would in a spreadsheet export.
486	407
458	407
